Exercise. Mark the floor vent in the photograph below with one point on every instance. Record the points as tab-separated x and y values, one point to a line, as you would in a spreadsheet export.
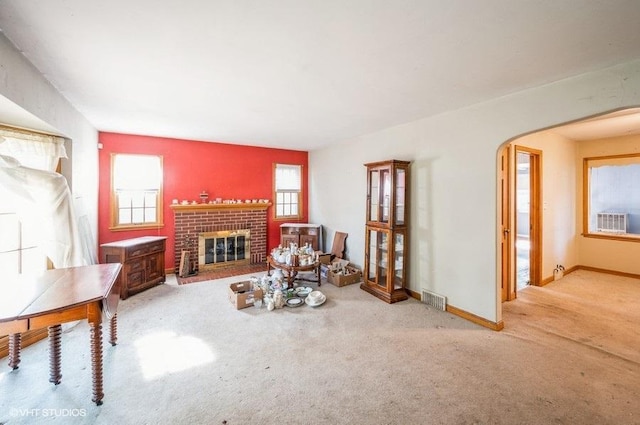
434	300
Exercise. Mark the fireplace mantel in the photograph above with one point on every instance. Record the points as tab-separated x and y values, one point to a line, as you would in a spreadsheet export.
220	206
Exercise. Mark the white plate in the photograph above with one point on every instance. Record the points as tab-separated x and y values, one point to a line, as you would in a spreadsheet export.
294	302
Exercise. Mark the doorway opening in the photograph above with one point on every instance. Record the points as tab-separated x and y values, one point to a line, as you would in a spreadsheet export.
521	220
565	147
527	218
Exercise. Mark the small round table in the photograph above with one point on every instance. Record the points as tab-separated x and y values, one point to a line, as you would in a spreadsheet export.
291	272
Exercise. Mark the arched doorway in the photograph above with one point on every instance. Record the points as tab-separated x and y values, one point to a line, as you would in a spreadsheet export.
560	201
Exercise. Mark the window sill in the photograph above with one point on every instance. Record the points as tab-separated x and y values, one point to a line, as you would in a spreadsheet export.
615	237
288	218
136	227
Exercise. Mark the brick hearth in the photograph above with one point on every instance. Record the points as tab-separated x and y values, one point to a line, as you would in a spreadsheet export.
191	220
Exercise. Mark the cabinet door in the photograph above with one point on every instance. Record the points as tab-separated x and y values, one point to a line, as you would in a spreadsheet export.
400	182
286	240
399	260
379	196
377	259
385	195
373	204
154	266
310	239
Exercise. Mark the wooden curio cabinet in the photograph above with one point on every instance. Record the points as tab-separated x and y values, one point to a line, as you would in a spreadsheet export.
386	244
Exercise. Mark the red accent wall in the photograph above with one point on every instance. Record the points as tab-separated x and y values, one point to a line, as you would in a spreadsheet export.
223	170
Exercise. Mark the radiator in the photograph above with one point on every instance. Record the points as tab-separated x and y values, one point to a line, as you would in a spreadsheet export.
434	300
612	222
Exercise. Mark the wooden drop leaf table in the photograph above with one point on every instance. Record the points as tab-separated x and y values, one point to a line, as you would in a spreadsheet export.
59	296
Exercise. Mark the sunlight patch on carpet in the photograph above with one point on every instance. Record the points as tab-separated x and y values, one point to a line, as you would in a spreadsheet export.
166	352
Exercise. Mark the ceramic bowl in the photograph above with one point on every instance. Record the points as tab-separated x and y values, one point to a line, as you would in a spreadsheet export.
315	296
303	291
317	303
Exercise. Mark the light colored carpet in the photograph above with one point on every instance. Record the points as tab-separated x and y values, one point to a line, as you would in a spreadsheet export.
185	356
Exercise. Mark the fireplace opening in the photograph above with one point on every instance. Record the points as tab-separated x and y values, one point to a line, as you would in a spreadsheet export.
223	248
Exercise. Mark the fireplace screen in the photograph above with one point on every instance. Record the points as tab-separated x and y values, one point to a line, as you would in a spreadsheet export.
223	248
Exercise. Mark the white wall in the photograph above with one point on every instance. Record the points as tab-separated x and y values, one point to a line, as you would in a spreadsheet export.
44	108
454	249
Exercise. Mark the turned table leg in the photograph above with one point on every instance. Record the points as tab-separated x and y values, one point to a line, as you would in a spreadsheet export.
318	274
291	278
114	330
15	342
96	362
55	332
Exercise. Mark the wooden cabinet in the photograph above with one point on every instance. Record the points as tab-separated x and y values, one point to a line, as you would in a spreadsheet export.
386	230
142	262
301	234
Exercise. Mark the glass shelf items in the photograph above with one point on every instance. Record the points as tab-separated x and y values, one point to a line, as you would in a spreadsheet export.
386	230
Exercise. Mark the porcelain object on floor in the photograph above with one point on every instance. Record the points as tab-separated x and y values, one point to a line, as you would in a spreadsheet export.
316	302
303	291
295	302
315	296
278	298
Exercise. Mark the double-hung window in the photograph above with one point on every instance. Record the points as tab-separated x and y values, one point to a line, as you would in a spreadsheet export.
612	197
288	191
136	191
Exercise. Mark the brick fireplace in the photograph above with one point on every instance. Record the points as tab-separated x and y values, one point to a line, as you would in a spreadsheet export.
193	221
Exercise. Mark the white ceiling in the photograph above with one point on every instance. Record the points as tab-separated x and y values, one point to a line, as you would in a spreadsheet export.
303	74
620	123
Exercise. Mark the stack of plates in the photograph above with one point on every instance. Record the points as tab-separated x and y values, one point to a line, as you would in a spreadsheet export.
315	299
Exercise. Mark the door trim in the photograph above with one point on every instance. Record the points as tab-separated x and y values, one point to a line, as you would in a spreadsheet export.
506	246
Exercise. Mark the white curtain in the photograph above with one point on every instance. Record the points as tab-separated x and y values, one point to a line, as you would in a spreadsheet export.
33	150
40	197
288	177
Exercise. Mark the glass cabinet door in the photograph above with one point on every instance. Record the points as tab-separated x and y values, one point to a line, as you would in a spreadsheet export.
400	183
377	260
398	269
372	255
385	195
374	195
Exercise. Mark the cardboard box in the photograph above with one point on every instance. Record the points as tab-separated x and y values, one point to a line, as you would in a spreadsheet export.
325	258
349	276
242	295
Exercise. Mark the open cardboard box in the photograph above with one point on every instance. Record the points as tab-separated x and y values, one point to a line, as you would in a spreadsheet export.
340	273
242	295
